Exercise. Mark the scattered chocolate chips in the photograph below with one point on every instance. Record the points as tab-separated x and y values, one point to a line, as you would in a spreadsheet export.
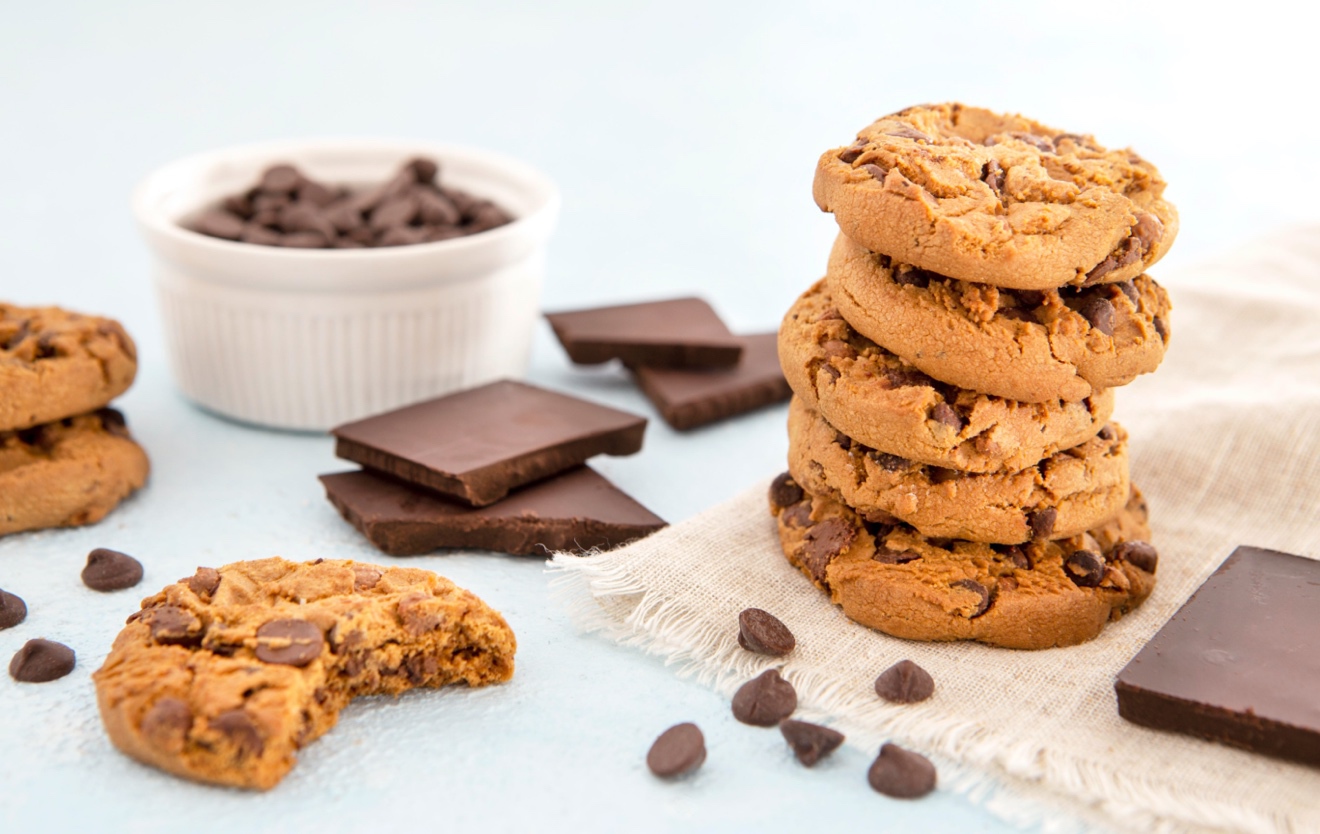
204	582
905	683
287	209
241	731
40	661
977	588
110	570
943	413
762	632
175	626
1099	312
810	742
784	491
12	610
289	642
901	773
1139	554
765	700
1085	568
680	749
1042	522
825	541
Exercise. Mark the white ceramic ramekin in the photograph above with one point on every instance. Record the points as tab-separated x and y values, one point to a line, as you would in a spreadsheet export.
310	338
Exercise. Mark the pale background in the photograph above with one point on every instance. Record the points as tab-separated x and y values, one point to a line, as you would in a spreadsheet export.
683	136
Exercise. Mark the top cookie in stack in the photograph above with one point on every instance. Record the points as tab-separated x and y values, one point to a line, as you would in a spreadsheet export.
953	473
65	459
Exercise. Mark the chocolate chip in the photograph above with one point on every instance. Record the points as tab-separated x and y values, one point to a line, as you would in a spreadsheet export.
905	683
1099	312
12	610
906	275
885	556
1040	143
262	236
825	541
175	626
875	171
832	372
940	475
1085	568
484	216
1148	231
110	570
204	582
1161	328
1017	556
1130	290
424	170
401	236
365	577
765	700
943	413
837	349
905	378
1105	433
304	240
831	314
289	642
239	205
1042	522
303	218
16	338
798	515
219	224
1127	252
40	661
167	722
281	179
315	195
1139	554
784	491
437	210
901	773
888	462
762	632
879	524
397	211
906	132
992	174
241	731
810	742
843	441
979	589
680	749
849	155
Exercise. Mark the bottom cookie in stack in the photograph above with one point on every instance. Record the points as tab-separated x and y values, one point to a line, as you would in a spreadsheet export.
1037	595
68	472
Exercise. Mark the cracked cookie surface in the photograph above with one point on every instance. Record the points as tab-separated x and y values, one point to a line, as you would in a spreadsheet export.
1038	595
1063	495
223	676
997	199
877	398
55	364
69	472
1026	345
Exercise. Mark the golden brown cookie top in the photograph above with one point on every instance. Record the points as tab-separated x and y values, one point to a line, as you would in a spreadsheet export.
34	334
996	182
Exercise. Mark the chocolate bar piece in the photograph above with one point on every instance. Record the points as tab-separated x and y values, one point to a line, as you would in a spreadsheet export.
695	397
575	511
1239	662
478	444
678	333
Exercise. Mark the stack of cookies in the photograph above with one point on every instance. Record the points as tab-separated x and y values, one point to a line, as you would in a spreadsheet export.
953	471
65	459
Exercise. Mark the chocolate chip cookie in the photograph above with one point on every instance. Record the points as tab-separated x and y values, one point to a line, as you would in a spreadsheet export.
877	398
1038	595
68	473
55	364
1026	345
1034	596
1063	495
222	677
997	199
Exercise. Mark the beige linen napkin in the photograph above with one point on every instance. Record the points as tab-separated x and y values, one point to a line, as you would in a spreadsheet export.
1225	441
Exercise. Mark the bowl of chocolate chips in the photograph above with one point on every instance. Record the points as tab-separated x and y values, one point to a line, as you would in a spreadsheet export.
307	284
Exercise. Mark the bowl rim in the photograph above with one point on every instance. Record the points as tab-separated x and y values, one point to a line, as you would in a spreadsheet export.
165	235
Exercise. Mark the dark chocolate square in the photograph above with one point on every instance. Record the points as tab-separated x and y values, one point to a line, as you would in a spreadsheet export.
677	333
575	511
478	444
1240	661
688	398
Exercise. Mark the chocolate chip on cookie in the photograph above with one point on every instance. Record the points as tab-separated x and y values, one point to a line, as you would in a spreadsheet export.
204	582
810	742
784	491
824	541
289	641
905	683
762	632
1085	568
901	773
12	610
39	661
172	625
983	594
1042	522
1138	553
110	570
680	749
765	700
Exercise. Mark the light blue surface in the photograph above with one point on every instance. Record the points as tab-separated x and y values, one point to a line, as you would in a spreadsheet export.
684	140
